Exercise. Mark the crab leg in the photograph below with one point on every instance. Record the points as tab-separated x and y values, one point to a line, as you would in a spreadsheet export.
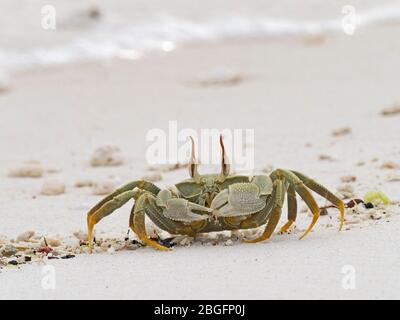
155	213
278	198
114	201
105	210
259	218
324	192
304	194
292	208
137	223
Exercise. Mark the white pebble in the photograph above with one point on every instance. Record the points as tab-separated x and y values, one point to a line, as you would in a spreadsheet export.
27	170
247	234
8	250
390	165
228	243
393	178
105	246
118	246
110	250
52	242
97	250
348	179
103	188
341	131
80	235
236	235
3	261
107	156
26	236
186	241
153	232
20	260
53	170
221	78
84	183
52	188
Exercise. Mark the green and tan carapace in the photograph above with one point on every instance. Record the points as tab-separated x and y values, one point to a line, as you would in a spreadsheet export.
215	202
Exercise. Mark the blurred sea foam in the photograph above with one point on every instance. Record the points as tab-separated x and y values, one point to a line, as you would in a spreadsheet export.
88	30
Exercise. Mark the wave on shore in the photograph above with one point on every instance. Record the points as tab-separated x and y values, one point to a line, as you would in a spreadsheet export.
131	42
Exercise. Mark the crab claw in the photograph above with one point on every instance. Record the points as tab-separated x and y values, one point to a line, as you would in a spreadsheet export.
179	209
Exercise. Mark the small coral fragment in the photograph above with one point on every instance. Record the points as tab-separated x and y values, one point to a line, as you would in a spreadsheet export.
53	188
107	156
27	170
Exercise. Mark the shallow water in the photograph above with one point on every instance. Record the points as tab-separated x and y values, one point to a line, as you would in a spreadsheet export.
128	29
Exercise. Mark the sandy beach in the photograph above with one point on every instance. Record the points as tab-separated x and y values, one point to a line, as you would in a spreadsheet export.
293	91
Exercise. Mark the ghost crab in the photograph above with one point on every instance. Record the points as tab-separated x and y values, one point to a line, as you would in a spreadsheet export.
215	202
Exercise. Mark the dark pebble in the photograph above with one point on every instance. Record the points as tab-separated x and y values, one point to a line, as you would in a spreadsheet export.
13	262
68	256
51	258
324	212
138	243
166	242
353	202
94	13
28	259
369	205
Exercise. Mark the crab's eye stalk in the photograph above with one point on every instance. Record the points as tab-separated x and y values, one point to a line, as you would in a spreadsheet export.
193	164
225	166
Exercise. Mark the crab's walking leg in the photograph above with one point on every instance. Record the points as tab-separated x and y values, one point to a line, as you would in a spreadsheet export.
155	213
304	194
105	210
323	192
278	197
260	218
137	222
292	208
114	201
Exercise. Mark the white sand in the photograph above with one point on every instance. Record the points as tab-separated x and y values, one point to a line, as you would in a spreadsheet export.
293	93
